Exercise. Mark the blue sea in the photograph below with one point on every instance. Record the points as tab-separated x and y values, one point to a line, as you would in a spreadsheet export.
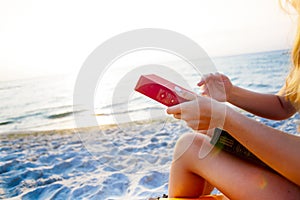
43	157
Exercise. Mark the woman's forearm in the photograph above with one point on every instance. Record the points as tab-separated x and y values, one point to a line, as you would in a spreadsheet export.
265	105
277	149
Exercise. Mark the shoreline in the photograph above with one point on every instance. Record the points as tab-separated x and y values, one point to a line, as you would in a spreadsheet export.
136	123
85	129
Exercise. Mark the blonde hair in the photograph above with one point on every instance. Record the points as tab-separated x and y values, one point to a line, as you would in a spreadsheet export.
292	85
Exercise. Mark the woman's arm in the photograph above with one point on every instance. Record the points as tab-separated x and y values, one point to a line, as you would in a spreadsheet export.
277	149
219	87
265	105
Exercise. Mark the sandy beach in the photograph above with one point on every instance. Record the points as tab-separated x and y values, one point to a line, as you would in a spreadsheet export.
59	165
112	162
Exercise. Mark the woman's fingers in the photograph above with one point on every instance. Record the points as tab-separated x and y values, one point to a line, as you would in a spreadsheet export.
205	78
204	91
174	110
177	116
201	82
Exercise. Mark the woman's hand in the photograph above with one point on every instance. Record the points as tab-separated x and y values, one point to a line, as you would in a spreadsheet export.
200	113
217	86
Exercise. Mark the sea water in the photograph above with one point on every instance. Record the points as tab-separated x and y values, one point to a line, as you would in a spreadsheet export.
118	162
46	103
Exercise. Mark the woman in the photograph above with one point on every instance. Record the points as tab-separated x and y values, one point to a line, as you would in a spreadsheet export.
193	176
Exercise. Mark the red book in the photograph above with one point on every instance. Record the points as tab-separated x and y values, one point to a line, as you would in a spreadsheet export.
160	89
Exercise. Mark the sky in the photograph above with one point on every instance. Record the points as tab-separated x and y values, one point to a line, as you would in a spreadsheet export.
39	38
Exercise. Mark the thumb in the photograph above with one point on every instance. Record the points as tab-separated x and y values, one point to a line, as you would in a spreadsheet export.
185	94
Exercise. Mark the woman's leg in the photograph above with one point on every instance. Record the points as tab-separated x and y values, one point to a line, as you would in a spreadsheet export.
183	182
190	175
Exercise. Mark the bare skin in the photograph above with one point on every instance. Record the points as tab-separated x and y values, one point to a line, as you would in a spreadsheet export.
192	176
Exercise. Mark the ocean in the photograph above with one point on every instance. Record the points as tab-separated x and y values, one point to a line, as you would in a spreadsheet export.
42	157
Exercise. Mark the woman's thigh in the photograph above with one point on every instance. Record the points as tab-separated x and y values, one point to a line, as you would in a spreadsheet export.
236	178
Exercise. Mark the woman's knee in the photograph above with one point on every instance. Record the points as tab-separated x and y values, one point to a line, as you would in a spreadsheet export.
188	146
